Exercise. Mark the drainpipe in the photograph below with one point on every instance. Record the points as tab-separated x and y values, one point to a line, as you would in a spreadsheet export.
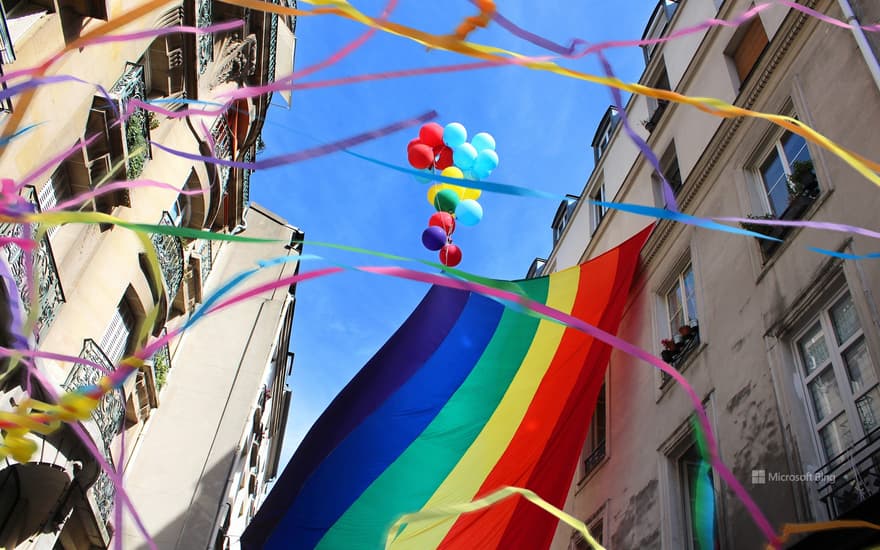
861	40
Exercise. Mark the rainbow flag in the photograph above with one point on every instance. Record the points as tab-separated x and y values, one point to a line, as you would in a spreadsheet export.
465	398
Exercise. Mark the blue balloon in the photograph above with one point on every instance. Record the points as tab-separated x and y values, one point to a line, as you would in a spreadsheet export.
486	161
434	238
482	141
464	156
454	134
468	212
426	178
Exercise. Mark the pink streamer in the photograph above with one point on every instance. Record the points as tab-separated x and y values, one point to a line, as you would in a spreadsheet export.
110	187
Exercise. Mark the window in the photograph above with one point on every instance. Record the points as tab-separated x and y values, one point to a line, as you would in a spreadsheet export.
656	107
839	377
179	210
746	47
597	211
537	268
680	320
596	526
563	215
657	25
602	138
55	190
114	343
681	301
594	447
695	476
788	177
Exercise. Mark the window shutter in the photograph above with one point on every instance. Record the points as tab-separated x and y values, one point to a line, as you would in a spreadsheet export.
751	46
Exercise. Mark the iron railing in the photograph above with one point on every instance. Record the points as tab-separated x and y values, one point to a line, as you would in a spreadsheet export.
7	51
851	477
104	492
246	180
169	248
273	45
51	295
161	361
133	85
595	458
222	135
204	18
108	414
205	251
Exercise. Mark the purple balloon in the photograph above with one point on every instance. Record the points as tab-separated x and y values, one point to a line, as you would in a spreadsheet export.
434	238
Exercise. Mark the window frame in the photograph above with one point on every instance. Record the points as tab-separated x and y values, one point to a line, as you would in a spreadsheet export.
837	363
775	147
598	212
593	443
678	284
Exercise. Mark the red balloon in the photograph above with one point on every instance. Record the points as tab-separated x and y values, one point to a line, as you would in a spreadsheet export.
431	134
450	255
412	143
444	161
421	156
443	220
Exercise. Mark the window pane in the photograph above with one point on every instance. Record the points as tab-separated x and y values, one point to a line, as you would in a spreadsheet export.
776	184
869	410
795	148
690	293
858	367
814	352
835	436
845	319
673	308
825	395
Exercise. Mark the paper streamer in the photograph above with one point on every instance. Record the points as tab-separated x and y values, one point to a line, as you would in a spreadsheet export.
444	512
307	154
709	105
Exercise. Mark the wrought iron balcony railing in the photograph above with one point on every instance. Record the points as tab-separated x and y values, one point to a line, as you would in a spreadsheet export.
851	477
273	44
108	414
246	180
51	295
222	135
169	248
204	18
133	85
205	252
161	361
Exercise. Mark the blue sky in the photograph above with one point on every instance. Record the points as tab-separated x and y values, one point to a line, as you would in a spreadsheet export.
543	125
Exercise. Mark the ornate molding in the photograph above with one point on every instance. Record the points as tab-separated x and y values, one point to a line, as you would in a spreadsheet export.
236	62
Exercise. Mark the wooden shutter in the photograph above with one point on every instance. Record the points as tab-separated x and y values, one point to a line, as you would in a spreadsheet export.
751	46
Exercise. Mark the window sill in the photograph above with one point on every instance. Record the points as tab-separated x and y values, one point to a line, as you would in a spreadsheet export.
791	235
666	382
584	481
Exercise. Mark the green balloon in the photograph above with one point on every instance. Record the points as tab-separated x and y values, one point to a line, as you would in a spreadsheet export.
446	201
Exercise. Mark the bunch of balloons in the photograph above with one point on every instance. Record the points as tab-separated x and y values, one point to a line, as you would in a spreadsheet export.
446	149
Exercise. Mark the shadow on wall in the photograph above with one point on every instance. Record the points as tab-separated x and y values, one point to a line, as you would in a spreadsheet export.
192	529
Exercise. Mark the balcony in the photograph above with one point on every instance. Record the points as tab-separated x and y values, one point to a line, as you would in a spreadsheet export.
110	410
652	122
205	18
161	364
133	85
169	249
246	180
852	477
682	347
222	135
51	295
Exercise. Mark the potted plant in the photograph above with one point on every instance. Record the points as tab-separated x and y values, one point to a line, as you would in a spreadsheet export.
670	350
685	332
803	182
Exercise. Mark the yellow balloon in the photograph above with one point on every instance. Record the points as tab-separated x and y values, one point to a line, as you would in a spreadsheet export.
432	192
473	194
452	172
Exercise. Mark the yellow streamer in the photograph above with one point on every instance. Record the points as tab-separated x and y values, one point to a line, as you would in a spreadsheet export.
709	105
444	512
